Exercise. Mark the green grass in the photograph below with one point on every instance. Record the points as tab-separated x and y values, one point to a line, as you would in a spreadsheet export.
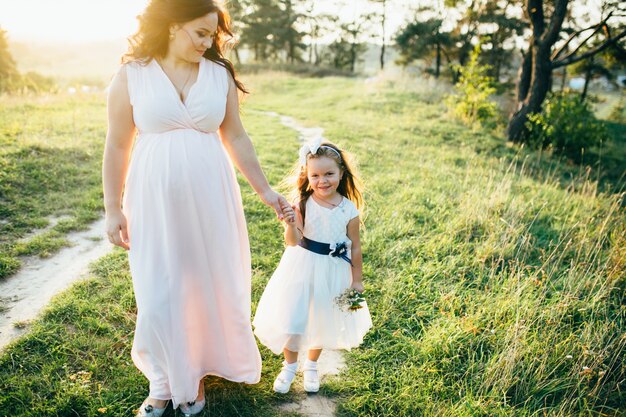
50	152
495	277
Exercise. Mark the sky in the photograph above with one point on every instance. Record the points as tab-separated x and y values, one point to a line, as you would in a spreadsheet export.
97	20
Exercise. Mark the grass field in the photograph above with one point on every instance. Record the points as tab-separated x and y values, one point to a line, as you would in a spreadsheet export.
495	276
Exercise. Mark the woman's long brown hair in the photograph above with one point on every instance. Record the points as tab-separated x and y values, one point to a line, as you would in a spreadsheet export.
152	39
350	185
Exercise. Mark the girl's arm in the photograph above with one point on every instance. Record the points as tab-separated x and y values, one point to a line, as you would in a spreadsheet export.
356	256
293	228
119	140
240	148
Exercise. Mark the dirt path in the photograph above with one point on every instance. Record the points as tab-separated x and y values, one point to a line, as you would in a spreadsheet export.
24	294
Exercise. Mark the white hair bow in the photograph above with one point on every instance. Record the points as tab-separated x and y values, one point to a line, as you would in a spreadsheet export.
311	147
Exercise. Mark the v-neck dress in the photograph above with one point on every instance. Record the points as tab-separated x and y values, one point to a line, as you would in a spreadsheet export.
189	253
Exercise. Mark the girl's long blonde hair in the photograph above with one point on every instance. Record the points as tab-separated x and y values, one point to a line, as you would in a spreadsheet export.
350	185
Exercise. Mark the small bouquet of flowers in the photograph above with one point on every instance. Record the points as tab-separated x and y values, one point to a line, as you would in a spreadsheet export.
350	300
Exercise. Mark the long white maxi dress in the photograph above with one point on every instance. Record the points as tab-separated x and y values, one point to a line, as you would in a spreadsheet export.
189	252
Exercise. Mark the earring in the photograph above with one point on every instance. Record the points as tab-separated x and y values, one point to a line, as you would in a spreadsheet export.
172	36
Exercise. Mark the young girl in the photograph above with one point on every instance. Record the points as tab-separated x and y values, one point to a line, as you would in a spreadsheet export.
298	311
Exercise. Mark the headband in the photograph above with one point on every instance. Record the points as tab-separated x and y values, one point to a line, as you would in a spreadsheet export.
312	148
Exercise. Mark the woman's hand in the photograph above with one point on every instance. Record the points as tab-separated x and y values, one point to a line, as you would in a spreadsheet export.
117	229
277	202
358	285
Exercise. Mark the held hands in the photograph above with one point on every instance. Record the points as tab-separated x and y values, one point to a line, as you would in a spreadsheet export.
289	215
117	229
277	202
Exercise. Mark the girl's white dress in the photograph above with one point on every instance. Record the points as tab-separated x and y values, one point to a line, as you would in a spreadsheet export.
297	310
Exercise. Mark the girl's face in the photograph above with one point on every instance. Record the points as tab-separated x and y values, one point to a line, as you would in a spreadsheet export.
324	175
193	38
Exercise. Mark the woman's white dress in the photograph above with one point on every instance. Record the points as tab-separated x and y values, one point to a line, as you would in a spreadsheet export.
189	253
297	310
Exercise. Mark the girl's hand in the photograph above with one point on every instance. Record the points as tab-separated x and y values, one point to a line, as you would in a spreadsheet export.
275	201
117	229
290	215
358	285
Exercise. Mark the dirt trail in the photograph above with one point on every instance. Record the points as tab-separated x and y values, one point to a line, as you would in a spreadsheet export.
24	294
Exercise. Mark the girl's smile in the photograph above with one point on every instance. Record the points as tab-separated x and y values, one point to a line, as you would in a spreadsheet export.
324	176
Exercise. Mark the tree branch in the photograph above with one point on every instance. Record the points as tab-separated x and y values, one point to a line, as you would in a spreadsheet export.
597	27
556	22
535	14
573	59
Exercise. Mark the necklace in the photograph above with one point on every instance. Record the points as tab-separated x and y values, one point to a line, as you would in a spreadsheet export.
182	89
339	204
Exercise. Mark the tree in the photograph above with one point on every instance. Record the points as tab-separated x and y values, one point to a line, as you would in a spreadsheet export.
287	36
423	39
383	19
8	69
349	45
540	59
497	26
491	23
257	27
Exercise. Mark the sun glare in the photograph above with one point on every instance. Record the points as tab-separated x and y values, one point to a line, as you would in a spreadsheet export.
69	20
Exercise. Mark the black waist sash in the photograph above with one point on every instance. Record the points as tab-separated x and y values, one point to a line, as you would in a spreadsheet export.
340	250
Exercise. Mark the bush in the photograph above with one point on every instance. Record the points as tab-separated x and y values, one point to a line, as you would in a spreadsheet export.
566	125
31	82
471	102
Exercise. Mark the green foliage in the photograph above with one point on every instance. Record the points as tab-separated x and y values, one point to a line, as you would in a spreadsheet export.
11	81
566	125
618	113
422	39
470	103
8	71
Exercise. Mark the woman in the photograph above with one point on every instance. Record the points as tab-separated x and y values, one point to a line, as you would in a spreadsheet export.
180	213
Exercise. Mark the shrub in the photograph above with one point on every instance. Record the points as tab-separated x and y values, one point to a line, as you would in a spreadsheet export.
471	102
566	125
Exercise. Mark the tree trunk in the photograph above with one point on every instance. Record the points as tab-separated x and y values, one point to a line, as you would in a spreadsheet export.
539	87
563	78
438	60
382	48
525	74
588	74
352	56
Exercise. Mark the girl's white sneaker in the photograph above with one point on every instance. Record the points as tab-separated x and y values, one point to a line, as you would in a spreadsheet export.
285	377
311	378
193	408
148	410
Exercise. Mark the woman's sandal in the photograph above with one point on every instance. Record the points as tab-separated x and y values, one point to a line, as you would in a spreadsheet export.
148	410
193	408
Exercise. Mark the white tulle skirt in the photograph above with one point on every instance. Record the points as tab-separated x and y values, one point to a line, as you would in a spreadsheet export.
298	311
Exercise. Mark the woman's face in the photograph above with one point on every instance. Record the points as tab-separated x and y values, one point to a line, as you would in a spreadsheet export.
193	38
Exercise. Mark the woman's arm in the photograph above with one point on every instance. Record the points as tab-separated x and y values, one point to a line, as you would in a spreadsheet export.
119	140
240	148
356	256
